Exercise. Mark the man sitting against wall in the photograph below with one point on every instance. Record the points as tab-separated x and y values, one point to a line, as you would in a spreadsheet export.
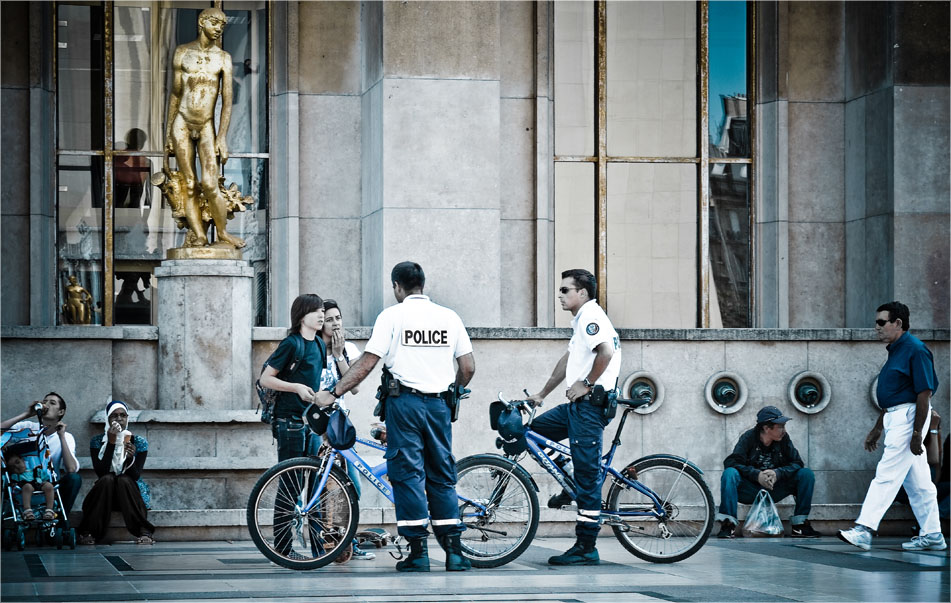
765	458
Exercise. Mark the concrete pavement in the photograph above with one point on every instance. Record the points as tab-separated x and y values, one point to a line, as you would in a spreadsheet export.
737	570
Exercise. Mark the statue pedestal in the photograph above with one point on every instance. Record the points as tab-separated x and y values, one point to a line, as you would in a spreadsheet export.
204	320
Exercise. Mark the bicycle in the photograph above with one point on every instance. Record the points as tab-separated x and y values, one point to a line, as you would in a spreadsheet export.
658	506
303	512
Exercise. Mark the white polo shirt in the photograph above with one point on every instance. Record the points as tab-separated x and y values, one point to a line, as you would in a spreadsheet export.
592	327
418	341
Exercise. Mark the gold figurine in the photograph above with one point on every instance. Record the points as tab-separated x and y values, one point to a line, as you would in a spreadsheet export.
78	307
198	69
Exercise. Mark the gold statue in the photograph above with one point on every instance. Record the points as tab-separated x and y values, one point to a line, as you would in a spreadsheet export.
198	69
78	307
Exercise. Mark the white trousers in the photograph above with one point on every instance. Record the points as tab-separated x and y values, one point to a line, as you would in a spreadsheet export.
899	467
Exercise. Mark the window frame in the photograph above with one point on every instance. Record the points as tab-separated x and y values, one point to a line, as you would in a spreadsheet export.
109	153
702	161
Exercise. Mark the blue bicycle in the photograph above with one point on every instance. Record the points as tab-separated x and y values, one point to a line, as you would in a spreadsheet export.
303	513
659	507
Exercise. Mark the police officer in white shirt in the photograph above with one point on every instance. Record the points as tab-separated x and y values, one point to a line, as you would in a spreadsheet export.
418	341
593	358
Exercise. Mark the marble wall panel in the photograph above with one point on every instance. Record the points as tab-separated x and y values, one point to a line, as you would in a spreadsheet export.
880	260
855	151
458	279
922	149
517	159
517	49
816	275
15	160
850	369
330	161
922	266
375	284
767	368
767	52
79	370
371	24
442	39
867	34
684	369
816	162
441	148
135	373
15	34
857	273
330	47
15	267
244	441
844	487
176	440
879	152
767	147
189	492
330	264
921	36
371	148
816	61
517	269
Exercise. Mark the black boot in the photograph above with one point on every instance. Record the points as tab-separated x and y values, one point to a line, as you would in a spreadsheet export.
582	553
455	562
418	558
562	499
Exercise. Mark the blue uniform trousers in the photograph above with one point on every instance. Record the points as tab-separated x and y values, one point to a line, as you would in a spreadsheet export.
735	488
420	465
583	424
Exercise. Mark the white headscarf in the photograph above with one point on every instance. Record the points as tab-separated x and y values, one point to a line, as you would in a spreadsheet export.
118	454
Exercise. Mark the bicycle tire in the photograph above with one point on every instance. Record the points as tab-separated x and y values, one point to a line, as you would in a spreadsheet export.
497	536
307	541
691	501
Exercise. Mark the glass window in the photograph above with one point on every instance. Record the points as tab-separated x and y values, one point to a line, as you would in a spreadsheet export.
145	35
652	79
574	78
652	245
729	245
574	221
79	69
79	236
729	132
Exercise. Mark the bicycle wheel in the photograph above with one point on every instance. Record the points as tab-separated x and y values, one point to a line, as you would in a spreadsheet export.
499	508
290	537
686	499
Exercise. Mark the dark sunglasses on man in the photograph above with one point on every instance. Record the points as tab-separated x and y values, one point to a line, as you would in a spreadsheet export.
882	322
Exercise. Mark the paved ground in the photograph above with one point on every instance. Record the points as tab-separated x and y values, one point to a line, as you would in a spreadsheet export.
772	569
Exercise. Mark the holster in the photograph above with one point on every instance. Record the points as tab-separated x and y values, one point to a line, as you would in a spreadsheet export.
389	387
605	400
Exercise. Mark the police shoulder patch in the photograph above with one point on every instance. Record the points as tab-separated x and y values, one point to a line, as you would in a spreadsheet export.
592	328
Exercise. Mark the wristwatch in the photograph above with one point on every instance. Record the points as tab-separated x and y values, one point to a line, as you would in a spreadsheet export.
333	392
341	359
587	383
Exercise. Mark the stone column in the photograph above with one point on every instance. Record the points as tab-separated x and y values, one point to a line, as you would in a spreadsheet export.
204	319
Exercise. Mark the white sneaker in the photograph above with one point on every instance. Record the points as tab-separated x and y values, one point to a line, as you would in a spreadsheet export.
927	542
857	537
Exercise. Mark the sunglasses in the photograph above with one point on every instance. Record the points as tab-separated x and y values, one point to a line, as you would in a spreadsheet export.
882	322
565	290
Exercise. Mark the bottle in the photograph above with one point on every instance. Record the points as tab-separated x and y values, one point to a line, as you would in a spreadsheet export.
567	466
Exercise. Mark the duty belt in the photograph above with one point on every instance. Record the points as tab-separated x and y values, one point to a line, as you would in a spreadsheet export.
411	390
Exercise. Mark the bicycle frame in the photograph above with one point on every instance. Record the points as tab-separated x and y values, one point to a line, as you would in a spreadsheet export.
535	442
373	474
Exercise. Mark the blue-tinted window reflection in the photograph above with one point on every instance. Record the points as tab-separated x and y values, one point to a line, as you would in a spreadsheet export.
729	133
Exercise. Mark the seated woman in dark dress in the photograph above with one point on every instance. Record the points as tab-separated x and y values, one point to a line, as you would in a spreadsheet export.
118	458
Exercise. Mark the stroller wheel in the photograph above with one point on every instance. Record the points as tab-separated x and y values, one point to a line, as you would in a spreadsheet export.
7	539
21	538
70	538
58	538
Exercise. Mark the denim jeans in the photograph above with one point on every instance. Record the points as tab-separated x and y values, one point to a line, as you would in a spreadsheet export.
291	436
735	488
69	485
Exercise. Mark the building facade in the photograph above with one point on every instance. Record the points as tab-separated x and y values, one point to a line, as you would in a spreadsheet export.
749	181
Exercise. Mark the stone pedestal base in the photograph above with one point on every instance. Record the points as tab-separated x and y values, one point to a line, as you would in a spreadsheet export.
204	321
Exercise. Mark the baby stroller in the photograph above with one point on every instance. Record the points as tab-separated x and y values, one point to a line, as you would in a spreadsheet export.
33	450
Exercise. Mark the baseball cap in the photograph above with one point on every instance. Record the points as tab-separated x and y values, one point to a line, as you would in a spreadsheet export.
771	414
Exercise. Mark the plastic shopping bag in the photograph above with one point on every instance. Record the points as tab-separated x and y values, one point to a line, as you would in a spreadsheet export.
763	519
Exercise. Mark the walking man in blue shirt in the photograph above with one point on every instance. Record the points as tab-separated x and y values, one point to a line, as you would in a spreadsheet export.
905	386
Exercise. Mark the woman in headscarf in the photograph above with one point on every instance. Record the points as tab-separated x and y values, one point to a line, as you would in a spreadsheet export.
118	458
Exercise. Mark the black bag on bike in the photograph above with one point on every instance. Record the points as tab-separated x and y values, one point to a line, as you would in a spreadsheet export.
605	400
267	398
340	431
